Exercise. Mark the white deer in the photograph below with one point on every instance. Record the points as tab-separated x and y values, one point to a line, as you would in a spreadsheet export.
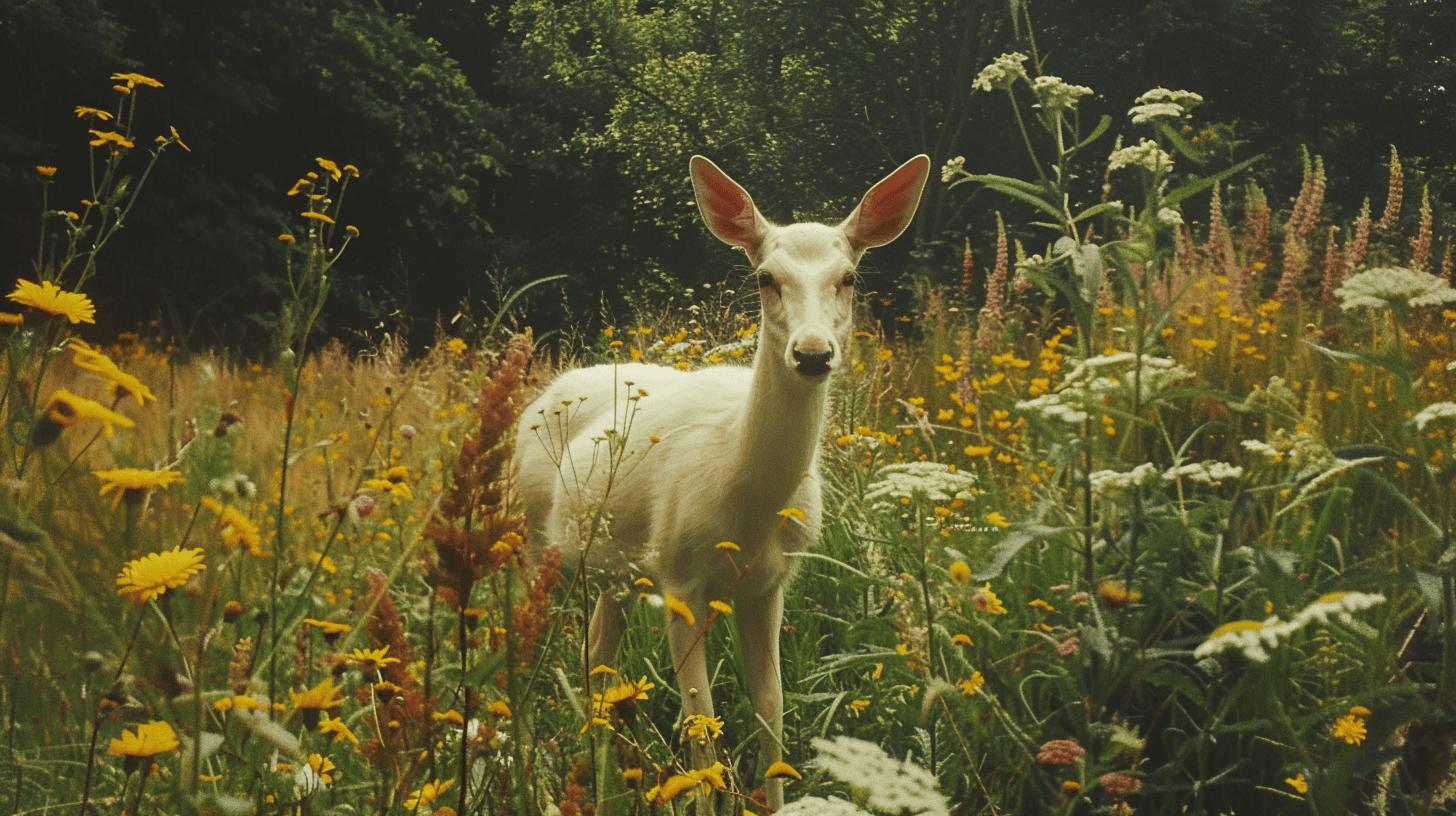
718	452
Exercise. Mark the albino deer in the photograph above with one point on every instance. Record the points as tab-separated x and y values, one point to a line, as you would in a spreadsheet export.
716	453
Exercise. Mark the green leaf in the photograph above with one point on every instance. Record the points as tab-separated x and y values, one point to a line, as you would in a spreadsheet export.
1196	186
1015	540
1181	144
1029	198
1395	364
1032	187
1102	125
1096	210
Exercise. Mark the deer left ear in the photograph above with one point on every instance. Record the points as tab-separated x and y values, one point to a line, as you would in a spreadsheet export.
887	209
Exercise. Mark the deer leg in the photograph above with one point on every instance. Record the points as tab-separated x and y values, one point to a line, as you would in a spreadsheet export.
759	624
690	657
604	635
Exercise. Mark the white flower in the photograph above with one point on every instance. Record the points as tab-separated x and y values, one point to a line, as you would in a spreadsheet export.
1435	412
932	480
1114	484
1255	638
884	784
1339	605
1055	94
1085	388
1186	100
1153	111
1209	472
949	170
1001	73
1053	406
1262	449
1145	154
1170	217
1388	285
815	806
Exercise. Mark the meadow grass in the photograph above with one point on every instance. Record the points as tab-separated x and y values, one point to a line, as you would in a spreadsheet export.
1168	531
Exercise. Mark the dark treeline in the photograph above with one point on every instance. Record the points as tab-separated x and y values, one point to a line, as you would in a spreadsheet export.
505	141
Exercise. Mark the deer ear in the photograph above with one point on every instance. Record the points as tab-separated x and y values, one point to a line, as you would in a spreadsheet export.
726	207
886	210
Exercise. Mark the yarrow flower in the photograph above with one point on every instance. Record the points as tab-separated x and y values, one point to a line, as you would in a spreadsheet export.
1054	94
1145	154
819	806
1114	484
1001	73
951	168
1255	638
1209	472
883	783
150	576
932	481
1170	217
1392	286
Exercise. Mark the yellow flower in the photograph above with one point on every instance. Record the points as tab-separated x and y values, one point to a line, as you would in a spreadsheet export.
1117	594
998	520
972	685
373	659
1071	786
329	628
352	230
299	186
960	572
703	727
329	167
321	697
727	546
427	794
1038	603
89	358
782	770
455	346
51	299
793	513
1358	711
721	607
351	170
701	781
986	601
133	483
621	697
83	111
1298	782
323	768
317	216
632	776
149	739
235	527
12	319
677	609
237	702
152	575
857	706
977	450
962	639
1349	728
134	79
45	171
451	716
101	138
499	708
177	137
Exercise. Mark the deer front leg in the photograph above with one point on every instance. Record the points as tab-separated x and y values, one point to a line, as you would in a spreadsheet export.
608	623
689	645
759	623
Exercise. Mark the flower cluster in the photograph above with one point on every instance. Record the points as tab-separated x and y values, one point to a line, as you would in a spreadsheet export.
1387	286
1254	638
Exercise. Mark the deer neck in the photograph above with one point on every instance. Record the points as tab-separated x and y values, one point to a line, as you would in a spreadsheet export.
781	425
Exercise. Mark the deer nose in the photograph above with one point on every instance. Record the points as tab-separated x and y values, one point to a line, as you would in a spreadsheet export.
812	362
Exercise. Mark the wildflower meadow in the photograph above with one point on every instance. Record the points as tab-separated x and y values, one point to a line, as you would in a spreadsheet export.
1144	505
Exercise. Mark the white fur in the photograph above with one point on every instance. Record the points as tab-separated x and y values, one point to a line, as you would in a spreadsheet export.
735	446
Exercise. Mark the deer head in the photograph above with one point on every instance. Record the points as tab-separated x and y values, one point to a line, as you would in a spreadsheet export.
806	272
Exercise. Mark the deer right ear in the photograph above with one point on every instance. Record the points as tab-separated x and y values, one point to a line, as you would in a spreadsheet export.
726	207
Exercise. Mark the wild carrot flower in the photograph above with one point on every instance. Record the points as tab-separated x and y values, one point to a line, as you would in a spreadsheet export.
931	481
152	575
889	785
1435	412
132	484
51	299
89	358
1055	94
1392	285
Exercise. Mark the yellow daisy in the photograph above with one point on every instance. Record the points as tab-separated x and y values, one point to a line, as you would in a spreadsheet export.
134	79
133	483
373	660
92	359
427	794
52	299
152	575
148	740
236	528
337	727
321	697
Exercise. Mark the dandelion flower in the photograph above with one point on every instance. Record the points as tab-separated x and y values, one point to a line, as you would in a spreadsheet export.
148	740
101	138
1117	594
960	572
450	716
152	575
727	546
499	708
721	607
676	608
455	346
427	794
793	513
89	358
329	167
1350	729
133	483
51	299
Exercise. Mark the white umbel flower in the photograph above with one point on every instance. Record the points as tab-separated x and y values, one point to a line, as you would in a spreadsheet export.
1115	484
1255	638
1187	100
1391	285
818	806
884	784
1055	94
1155	111
1435	412
932	480
1170	217
951	168
1001	73
1209	472
1085	389
1145	154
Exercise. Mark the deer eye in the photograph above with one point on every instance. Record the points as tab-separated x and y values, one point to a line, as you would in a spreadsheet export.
765	279
848	280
